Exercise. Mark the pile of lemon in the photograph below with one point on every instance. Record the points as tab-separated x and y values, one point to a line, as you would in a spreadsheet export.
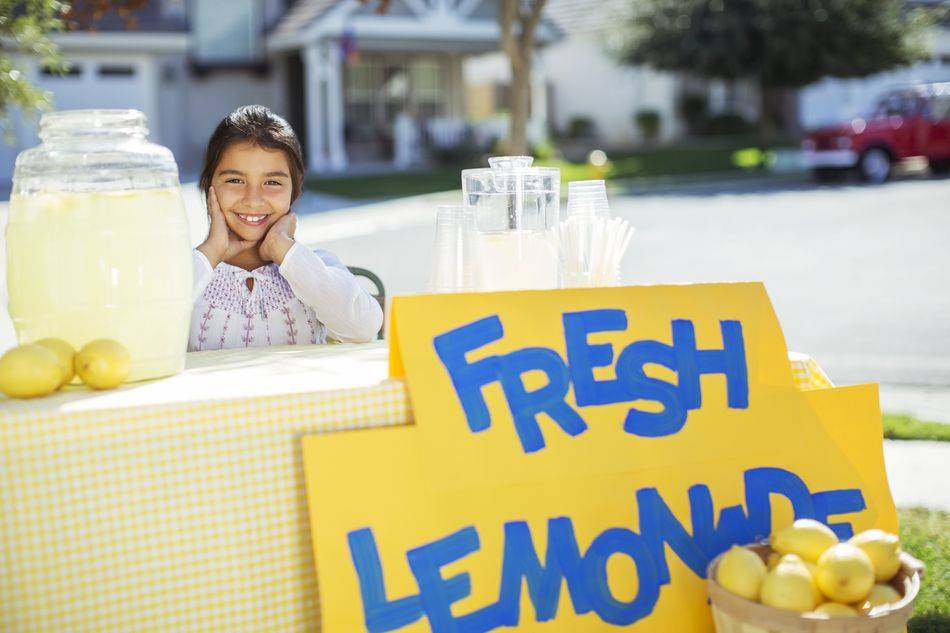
811	572
38	369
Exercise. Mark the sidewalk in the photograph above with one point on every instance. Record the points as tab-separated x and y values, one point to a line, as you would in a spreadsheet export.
917	473
931	404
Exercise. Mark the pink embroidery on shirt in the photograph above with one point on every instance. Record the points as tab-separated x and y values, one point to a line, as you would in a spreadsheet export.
227	296
276	294
224	329
290	322
313	329
203	328
248	336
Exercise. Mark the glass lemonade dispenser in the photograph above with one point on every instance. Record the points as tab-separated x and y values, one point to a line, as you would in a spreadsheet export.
97	240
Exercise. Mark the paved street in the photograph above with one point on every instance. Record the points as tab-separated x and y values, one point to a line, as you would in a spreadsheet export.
860	277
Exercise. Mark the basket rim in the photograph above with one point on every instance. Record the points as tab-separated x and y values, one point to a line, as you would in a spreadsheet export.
741	609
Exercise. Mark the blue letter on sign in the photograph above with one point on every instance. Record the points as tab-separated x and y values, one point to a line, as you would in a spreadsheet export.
379	613
611	610
563	560
831	502
582	357
469	378
760	483
439	593
526	405
691	363
630	366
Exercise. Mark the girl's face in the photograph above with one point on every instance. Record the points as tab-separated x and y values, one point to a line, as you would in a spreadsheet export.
253	187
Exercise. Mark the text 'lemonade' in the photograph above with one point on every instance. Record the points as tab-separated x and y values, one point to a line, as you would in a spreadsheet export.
106	264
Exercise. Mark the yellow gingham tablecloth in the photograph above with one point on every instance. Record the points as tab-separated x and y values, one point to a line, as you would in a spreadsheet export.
179	504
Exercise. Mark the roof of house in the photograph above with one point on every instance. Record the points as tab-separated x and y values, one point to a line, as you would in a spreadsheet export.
302	14
150	18
585	16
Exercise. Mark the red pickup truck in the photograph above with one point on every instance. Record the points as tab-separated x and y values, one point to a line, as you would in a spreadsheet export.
906	122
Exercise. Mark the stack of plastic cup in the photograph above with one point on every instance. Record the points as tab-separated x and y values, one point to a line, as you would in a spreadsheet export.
453	257
591	242
587	198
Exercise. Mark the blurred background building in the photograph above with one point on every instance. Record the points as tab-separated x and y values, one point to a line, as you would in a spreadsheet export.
366	90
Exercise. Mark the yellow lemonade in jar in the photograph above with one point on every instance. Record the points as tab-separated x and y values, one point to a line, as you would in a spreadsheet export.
104	264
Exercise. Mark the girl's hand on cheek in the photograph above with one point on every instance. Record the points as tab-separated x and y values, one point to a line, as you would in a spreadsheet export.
279	239
221	244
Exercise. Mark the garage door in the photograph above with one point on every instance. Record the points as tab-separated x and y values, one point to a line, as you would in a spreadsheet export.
91	82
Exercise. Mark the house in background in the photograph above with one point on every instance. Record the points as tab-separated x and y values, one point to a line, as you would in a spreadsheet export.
836	100
583	81
343	75
364	77
587	82
361	88
184	65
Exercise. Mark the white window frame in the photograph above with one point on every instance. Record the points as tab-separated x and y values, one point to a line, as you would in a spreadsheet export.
255	24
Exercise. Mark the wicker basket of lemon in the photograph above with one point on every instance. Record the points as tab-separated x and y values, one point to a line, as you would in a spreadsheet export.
804	581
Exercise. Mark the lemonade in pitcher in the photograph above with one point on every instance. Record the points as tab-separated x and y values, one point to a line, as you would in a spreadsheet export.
99	247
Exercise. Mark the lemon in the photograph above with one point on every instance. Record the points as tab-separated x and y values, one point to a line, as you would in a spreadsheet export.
28	371
813	570
883	549
789	586
880	594
774	558
805	537
64	354
103	364
741	571
835	609
845	573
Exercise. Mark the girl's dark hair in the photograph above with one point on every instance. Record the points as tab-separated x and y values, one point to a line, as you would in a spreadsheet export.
258	125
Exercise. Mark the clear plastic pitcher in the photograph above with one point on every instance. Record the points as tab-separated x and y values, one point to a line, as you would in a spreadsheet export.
97	240
516	218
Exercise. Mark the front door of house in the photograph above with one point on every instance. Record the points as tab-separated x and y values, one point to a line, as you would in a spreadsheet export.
380	88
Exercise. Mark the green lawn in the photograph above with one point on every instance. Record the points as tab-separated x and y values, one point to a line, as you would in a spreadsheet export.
394	185
926	535
906	427
736	155
720	156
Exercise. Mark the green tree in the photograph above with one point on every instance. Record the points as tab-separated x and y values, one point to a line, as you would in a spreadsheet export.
25	26
518	21
779	44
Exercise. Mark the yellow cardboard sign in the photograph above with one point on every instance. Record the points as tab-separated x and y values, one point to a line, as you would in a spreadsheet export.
577	459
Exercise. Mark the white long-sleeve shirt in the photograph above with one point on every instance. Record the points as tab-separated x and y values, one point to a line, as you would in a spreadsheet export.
311	296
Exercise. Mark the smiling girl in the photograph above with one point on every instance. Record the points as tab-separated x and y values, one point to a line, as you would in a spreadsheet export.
254	285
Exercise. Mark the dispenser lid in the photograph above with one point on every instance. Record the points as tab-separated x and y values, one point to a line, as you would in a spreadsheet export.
510	162
509	174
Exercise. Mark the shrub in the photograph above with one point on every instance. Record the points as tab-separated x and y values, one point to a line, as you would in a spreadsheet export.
580	127
648	122
729	124
693	108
